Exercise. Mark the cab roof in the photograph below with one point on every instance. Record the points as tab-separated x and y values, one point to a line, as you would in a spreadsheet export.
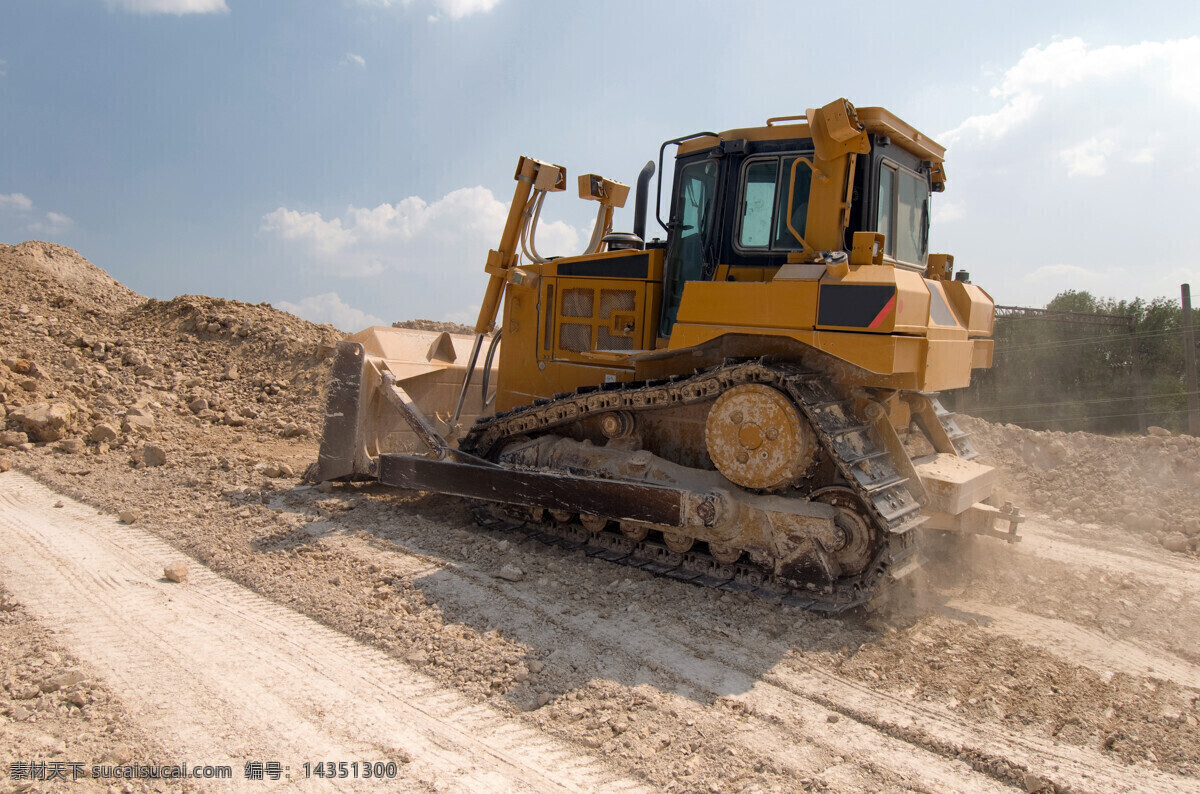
875	120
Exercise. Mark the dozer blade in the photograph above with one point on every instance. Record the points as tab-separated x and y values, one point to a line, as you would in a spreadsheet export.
365	416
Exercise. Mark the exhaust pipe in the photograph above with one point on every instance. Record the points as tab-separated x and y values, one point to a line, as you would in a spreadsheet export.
639	201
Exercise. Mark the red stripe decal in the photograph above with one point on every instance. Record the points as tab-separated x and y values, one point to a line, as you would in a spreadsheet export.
884	312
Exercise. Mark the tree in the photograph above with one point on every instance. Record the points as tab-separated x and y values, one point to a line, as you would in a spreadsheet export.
1074	376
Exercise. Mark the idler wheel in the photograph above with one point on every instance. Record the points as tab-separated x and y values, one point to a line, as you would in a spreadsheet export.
757	437
856	536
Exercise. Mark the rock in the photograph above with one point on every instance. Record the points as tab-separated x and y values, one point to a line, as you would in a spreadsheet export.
271	470
1034	783
325	487
71	363
832	718
145	371
103	433
138	423
231	372
197	405
129	516
535	666
293	430
61	681
417	658
1162	432
44	421
5	464
25	692
511	573
1175	541
1191	527
154	455
543	699
13	438
176	571
71	446
121	754
19	713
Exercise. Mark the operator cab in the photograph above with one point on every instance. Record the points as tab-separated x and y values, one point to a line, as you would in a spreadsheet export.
744	204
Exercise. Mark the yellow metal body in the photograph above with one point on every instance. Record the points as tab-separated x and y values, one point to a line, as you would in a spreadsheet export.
586	320
570	331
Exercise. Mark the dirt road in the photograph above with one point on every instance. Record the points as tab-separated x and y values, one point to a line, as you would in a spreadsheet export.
223	676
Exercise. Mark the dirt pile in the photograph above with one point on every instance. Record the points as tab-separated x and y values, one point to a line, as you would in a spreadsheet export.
90	366
434	325
1145	484
57	277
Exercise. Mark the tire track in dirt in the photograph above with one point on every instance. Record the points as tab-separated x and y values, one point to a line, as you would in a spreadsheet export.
222	675
1081	645
705	666
901	736
1146	562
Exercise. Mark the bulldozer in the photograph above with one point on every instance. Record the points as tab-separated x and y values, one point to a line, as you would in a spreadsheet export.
749	402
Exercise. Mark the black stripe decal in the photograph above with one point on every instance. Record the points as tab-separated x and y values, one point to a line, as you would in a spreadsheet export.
616	267
852	305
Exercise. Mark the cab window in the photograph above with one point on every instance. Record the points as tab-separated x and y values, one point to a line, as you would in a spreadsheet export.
903	214
763	220
686	254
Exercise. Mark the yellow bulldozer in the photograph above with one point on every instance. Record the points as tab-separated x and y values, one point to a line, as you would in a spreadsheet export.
748	403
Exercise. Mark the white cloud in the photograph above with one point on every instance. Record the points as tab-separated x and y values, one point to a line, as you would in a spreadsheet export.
177	7
352	59
53	223
1045	71
449	236
947	211
455	9
329	308
1088	158
1060	271
15	201
20	208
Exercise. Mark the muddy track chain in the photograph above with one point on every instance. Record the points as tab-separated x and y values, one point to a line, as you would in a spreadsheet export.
865	467
700	568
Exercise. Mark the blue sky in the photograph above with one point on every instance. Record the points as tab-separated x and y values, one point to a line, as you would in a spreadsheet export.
352	160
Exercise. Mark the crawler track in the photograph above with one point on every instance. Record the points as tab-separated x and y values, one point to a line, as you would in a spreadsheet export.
861	464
